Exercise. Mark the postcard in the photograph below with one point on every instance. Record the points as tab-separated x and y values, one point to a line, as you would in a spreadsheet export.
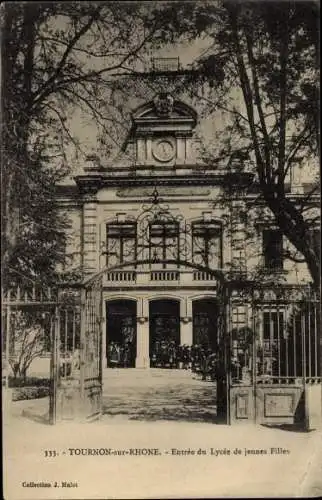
161	250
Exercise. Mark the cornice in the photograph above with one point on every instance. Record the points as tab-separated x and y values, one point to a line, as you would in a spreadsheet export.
89	184
92	183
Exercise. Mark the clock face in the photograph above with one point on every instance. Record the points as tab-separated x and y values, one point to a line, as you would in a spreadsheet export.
163	150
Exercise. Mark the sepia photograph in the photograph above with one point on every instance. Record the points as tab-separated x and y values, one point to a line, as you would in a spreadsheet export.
160	235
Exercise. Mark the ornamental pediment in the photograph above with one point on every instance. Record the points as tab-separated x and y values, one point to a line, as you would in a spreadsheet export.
152	114
164	108
161	132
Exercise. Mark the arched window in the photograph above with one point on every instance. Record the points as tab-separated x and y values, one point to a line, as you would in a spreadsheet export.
121	243
207	244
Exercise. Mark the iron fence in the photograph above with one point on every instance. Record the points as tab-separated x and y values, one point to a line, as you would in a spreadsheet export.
275	338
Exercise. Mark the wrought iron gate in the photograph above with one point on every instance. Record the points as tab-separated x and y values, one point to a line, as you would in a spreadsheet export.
273	357
91	349
76	369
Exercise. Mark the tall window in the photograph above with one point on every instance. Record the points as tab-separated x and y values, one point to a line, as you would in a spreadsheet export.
273	249
273	325
207	244
272	341
120	243
164	241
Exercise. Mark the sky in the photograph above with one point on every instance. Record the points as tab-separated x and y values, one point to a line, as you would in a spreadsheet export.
84	129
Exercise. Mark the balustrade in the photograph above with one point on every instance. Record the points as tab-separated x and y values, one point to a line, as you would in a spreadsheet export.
202	276
121	276
165	276
158	277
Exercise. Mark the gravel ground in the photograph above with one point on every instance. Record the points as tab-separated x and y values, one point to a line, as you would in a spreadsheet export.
160	395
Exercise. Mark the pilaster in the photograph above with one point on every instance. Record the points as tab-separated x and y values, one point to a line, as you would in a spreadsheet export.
142	336
238	236
103	326
186	331
186	326
90	233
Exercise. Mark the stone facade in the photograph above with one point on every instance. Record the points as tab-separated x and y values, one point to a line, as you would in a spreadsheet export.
168	177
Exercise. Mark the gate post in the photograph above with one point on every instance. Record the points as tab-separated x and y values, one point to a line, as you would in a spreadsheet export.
6	392
313	406
8	320
312	385
223	368
54	367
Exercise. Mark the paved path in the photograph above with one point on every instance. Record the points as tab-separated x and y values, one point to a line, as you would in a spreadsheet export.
158	394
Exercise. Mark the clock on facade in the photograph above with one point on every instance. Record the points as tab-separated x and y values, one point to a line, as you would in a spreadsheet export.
163	150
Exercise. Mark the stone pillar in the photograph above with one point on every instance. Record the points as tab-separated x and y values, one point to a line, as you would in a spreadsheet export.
142	336
186	326
313	406
238	237
140	151
148	143
297	179
186	331
90	255
103	326
181	149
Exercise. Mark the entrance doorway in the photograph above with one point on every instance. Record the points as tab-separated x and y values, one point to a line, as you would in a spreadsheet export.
205	323
164	317
121	333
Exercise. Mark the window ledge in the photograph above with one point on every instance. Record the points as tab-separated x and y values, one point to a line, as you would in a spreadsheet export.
267	270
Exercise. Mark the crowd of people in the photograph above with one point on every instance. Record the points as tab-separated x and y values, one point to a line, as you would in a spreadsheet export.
199	359
121	356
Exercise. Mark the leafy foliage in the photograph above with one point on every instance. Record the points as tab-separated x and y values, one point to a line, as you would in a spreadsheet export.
269	52
67	60
27	341
29	392
61	63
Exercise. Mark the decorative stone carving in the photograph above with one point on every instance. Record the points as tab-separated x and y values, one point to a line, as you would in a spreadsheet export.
269	295
93	164
163	150
163	104
142	319
186	319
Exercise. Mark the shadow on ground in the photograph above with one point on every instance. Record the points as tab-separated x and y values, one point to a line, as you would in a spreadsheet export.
170	397
298	427
39	419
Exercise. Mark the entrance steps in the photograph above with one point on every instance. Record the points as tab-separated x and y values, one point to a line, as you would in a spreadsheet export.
147	376
138	378
146	372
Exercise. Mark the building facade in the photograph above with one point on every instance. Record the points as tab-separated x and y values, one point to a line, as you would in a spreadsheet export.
166	232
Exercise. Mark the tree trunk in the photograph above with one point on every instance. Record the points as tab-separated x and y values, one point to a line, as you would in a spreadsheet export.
291	222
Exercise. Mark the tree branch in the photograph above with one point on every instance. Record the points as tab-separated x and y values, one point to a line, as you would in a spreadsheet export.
249	43
56	85
283	101
288	255
302	137
43	91
247	93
